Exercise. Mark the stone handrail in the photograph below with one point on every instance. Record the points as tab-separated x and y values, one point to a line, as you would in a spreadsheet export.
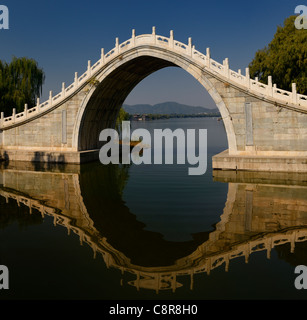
222	71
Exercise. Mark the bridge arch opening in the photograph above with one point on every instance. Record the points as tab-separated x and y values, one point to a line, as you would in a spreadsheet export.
101	105
170	85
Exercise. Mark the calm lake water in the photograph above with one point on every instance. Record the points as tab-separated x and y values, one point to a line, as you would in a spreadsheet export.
151	231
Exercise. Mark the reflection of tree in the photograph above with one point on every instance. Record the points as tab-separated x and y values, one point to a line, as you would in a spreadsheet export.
109	178
122	176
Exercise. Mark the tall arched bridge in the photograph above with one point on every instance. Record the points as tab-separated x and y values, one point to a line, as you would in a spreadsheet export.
266	127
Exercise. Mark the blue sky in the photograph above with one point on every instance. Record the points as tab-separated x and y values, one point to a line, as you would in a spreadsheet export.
63	35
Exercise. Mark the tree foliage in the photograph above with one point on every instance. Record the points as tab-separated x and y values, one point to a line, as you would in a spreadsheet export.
285	58
21	83
122	116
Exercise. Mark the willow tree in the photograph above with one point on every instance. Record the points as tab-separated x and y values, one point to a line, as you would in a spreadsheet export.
21	83
122	116
285	58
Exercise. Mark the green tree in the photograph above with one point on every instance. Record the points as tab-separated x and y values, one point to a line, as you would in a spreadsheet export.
21	83
285	58
122	116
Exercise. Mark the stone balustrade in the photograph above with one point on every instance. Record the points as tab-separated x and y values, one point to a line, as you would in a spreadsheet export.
268	91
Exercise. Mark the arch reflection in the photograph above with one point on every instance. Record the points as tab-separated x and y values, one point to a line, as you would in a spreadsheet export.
263	211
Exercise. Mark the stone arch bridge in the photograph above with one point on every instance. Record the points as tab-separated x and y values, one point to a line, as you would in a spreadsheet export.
266	127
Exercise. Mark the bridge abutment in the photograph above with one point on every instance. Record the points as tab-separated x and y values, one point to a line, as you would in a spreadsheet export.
269	136
225	161
45	156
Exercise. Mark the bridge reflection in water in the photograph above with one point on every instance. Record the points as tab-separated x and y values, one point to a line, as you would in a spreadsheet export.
262	212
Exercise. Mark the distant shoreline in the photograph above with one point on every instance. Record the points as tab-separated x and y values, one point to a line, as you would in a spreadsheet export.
149	117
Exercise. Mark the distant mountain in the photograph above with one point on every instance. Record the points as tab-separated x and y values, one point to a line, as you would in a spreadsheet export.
167	108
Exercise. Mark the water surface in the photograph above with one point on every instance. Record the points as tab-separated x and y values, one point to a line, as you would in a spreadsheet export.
151	231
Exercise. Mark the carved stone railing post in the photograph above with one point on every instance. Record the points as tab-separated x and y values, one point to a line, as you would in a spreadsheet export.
37	104
133	37
102	56
14	114
270	86
274	89
76	80
190	46
294	93
63	90
89	70
116	45
154	34
226	67
208	57
247	75
50	98
26	110
171	39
